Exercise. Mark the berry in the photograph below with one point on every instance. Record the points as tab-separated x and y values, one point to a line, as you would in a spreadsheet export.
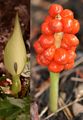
76	26
69	66
73	48
65	46
55	9
39	61
71	56
46	41
67	13
38	47
42	60
60	56
67	25
45	29
70	40
54	67
48	19
49	53
55	25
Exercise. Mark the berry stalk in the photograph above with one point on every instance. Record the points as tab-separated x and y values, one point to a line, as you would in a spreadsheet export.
53	97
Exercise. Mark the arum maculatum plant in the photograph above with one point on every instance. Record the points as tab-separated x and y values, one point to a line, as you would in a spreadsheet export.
56	46
15	56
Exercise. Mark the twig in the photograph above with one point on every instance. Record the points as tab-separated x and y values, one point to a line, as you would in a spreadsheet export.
77	79
66	110
42	88
76	100
34	111
80	60
43	111
71	71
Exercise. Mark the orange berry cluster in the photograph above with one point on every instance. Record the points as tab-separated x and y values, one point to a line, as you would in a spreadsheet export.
48	54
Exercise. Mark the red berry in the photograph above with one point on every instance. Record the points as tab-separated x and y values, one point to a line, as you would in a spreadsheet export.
73	48
49	53
71	56
60	56
55	67
76	26
48	19
55	9
42	60
46	41
39	61
38	47
64	45
70	40
69	66
45	29
67	25
55	25
67	13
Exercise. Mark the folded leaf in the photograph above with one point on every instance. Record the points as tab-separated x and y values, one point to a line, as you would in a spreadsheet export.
15	52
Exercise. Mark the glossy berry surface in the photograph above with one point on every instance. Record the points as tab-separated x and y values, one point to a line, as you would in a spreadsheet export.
71	56
46	29
38	47
46	41
49	53
67	13
55	9
56	25
48	19
76	26
69	66
60	56
70	40
55	67
67	25
43	60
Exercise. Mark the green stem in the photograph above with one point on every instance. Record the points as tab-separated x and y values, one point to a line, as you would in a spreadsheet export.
54	83
16	84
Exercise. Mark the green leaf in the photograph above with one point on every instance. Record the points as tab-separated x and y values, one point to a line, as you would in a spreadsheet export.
7	110
17	102
14	113
23	117
14	109
27	107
